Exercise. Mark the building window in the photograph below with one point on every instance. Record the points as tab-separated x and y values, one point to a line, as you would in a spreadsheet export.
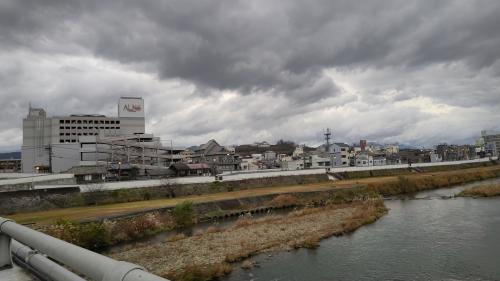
118	122
79	121
106	122
60	128
88	177
61	121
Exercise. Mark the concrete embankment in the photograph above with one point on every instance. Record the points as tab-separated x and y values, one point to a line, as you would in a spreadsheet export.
46	199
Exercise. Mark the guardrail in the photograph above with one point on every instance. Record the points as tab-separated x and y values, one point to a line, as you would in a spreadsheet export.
31	246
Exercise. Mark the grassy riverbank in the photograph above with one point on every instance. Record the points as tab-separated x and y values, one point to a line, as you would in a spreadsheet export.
489	190
421	182
209	254
387	185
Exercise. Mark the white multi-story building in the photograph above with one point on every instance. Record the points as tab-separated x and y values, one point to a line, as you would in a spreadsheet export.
54	144
491	142
339	153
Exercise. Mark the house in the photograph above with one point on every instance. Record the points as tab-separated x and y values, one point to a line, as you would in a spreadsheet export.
363	159
250	164
293	165
317	160
339	153
299	151
217	156
379	160
200	169
409	156
180	169
88	174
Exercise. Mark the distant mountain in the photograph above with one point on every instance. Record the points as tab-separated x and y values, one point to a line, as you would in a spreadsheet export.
11	155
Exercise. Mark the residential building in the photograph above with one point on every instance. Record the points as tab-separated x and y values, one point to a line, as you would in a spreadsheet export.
339	153
379	159
409	156
319	160
250	164
363	159
390	149
299	151
10	166
216	156
491	142
293	165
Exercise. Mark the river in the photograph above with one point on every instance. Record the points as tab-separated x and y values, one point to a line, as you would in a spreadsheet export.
425	237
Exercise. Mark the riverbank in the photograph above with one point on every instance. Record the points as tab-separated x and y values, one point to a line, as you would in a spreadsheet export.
386	185
489	190
210	253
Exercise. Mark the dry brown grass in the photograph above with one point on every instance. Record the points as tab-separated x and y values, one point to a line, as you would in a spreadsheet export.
199	273
176	237
311	241
214	229
243	221
420	182
481	191
284	200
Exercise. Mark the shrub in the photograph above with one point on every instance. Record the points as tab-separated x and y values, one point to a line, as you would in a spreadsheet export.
184	214
243	221
199	273
312	241
93	236
284	200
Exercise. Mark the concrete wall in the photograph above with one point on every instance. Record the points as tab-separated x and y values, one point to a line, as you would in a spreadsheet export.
25	183
31	200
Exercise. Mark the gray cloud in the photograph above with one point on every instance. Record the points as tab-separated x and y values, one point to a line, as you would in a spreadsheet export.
290	68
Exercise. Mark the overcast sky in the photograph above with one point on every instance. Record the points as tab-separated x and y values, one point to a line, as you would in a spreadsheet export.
418	72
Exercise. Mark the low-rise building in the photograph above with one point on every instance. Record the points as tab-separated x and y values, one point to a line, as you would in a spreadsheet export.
293	165
216	156
363	159
491	142
10	165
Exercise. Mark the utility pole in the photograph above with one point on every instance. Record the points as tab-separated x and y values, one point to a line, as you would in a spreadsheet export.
171	152
50	158
328	135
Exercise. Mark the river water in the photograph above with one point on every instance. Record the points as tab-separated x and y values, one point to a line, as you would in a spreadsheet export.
425	237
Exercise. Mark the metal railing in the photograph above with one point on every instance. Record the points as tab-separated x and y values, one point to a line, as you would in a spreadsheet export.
30	247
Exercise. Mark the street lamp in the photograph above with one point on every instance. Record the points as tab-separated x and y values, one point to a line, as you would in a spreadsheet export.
119	170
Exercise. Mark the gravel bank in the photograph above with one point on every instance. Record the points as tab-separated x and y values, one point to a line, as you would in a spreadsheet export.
216	247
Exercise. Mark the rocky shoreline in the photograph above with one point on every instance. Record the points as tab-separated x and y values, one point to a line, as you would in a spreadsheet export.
210	253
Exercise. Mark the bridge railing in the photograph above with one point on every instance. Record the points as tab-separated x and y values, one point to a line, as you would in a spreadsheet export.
31	246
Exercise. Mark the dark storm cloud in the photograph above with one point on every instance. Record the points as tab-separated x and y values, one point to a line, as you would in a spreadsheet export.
272	51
